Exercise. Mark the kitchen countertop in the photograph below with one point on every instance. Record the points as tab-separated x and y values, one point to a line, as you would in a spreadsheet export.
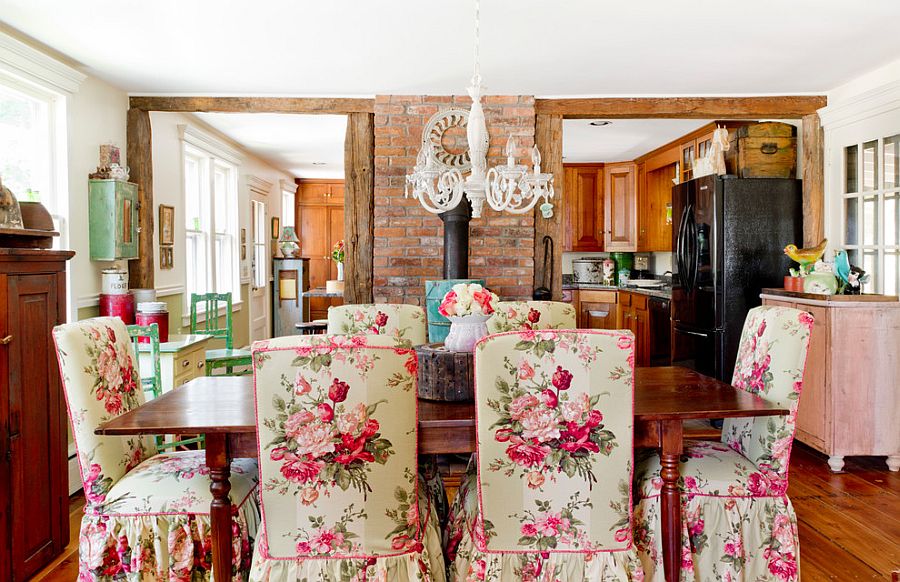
661	292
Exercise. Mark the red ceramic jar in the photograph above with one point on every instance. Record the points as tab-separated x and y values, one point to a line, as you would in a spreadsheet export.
160	318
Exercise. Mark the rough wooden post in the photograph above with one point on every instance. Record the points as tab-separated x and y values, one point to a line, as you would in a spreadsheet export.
813	180
548	138
140	160
359	207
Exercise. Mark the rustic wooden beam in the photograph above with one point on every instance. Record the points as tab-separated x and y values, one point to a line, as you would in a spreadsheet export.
548	138
331	105
359	207
776	107
140	159
813	142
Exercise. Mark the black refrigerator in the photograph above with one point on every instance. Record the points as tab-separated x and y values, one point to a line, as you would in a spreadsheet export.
728	238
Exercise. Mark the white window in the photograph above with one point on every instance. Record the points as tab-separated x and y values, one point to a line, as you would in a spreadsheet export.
260	234
288	209
211	223
29	147
870	208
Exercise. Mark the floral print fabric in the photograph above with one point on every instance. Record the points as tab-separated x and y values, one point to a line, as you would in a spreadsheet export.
738	523
336	420
549	495
404	323
146	515
523	315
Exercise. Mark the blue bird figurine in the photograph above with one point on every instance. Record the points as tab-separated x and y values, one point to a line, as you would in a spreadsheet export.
842	266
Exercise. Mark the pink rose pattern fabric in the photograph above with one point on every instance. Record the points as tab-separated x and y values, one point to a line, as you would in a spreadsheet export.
337	418
737	521
405	324
146	514
525	315
548	494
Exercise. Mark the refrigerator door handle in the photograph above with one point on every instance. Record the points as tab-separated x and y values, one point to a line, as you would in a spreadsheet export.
679	248
695	254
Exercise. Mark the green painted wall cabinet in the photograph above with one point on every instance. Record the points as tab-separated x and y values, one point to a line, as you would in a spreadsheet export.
113	219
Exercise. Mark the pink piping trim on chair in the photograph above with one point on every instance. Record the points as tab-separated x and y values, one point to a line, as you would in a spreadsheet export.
262	348
479	488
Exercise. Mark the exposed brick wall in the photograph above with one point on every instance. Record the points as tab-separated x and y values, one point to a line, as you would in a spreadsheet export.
409	240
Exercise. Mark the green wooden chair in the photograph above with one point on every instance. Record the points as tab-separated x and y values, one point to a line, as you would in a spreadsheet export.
152	385
228	358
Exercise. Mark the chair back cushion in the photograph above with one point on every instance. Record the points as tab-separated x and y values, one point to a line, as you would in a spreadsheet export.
101	382
336	417
770	363
404	323
521	315
555	425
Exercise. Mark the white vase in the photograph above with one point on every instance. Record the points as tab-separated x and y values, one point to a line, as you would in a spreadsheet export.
340	270
465	332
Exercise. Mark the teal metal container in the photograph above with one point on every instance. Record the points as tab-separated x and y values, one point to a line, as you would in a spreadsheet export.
112	220
438	325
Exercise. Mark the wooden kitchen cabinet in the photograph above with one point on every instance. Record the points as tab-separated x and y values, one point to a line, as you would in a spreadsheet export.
620	206
34	493
320	224
634	315
849	404
597	309
584	222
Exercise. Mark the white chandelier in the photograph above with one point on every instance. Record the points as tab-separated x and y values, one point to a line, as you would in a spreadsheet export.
439	185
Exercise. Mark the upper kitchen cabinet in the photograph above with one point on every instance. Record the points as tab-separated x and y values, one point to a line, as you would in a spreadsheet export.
620	186
112	220
584	220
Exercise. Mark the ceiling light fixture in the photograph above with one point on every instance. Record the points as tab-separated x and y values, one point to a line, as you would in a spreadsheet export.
438	184
600	123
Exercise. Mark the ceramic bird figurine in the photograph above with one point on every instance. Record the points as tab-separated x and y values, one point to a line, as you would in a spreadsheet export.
806	257
842	266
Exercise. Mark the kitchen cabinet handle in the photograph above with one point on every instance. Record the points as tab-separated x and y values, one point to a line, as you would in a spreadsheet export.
6	340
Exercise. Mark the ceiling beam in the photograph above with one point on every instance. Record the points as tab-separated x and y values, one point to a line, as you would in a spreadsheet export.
776	107
326	105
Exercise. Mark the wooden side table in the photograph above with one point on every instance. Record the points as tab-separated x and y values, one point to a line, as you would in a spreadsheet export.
312	327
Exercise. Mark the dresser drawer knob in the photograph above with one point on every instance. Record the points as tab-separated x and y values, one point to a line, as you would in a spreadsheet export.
185	363
200	365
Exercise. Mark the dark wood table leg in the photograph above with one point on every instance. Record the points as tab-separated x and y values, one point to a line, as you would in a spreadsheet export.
670	438
218	459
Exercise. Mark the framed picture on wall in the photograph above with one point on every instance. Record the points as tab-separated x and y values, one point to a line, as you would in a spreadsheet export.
166	224
166	257
276	227
243	244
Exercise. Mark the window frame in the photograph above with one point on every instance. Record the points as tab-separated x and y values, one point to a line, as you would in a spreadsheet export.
211	155
260	243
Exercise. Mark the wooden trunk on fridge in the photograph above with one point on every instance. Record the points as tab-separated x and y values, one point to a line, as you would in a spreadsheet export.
113	220
763	150
34	502
320	222
850	402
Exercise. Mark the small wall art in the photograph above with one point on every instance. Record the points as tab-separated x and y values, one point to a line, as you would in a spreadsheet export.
276	227
166	225
166	257
243	244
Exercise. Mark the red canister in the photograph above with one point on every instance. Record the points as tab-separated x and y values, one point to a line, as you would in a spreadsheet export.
154	312
119	305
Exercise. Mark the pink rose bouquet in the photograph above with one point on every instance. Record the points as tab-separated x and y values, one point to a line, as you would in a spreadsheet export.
468	299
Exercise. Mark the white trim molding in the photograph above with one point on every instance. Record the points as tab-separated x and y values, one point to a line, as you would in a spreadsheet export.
25	61
259	185
205	141
289	186
860	107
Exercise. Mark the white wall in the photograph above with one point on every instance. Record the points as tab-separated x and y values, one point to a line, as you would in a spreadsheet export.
96	115
168	188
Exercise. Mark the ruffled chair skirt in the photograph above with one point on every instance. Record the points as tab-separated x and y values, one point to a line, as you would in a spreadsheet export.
739	539
171	547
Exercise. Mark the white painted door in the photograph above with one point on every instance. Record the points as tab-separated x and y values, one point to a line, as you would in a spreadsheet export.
260	326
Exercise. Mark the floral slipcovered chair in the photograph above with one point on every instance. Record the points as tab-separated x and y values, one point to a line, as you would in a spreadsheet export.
147	514
341	498
737	521
548	494
404	323
520	315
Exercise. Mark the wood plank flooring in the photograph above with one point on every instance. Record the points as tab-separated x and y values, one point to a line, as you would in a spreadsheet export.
849	521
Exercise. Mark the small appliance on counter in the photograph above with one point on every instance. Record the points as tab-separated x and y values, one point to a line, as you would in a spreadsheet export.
641	267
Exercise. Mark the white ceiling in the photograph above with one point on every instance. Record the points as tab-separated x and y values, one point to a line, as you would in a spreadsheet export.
307	146
538	47
622	139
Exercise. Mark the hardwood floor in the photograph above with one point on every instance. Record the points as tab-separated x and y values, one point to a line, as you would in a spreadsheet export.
849	522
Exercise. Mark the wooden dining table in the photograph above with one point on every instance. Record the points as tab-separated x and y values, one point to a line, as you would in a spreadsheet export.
222	408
